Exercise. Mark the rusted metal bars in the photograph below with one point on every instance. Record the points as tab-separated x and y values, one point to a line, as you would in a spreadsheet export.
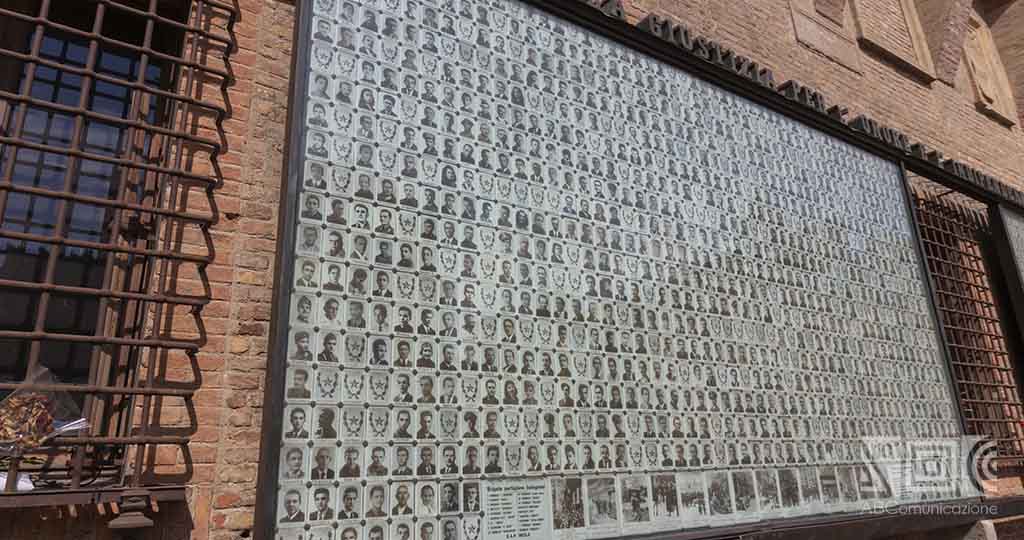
954	233
138	238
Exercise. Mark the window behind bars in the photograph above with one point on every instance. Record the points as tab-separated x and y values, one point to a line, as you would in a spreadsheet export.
110	129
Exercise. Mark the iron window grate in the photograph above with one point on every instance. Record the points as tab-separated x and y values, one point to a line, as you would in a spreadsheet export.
110	130
956	235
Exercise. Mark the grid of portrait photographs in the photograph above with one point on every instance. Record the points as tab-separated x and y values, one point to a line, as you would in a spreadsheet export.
525	251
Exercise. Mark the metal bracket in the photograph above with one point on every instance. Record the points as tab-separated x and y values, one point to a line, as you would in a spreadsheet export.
133	504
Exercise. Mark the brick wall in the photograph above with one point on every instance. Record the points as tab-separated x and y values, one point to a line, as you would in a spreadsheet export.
833	9
945	24
225	451
1006	21
937	114
222	504
887	19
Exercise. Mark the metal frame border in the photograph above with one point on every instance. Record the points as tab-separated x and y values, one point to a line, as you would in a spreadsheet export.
1009	294
593	19
1013	274
933	298
274	385
858	525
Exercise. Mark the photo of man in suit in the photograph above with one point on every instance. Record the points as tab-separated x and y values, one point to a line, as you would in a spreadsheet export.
426	323
322	504
297	418
298	389
401	507
402	467
404	317
376	502
448	328
427	467
349	499
450	465
471	466
493	464
323	470
292	507
351	468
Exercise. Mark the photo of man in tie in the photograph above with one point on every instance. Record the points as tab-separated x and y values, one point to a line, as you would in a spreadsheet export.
383	282
426	323
297	418
508	329
323	470
402	507
448	328
292	507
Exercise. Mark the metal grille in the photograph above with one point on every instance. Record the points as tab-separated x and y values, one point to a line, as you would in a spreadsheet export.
956	234
110	129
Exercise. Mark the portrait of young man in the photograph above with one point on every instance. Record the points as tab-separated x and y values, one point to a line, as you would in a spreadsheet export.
322	470
376	501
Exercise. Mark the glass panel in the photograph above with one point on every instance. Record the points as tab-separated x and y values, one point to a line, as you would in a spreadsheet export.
524	251
38	214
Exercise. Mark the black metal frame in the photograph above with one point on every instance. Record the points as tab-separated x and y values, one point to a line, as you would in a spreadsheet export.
970	287
856	525
930	291
1008	284
274	389
1013	275
1009	292
580	13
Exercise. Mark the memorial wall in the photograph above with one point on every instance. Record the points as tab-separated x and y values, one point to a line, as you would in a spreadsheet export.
547	287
